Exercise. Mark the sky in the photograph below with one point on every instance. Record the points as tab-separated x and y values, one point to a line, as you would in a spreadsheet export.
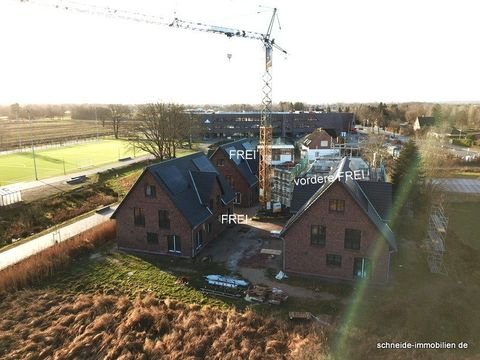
338	51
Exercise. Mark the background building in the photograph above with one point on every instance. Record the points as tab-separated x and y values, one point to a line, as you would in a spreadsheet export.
292	124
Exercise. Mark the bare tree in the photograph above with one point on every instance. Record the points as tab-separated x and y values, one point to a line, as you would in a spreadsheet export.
119	114
159	129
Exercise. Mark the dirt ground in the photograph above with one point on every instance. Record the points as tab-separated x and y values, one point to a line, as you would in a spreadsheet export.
243	242
239	249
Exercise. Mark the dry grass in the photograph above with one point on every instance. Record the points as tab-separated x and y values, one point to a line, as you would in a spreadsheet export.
24	219
46	263
53	325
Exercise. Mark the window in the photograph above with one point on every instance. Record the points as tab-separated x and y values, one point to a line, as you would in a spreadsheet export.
138	217
361	268
174	245
218	200
209	227
152	238
324	143
238	198
199	239
334	260
163	219
220	162
150	191
352	239
230	180
318	235
336	205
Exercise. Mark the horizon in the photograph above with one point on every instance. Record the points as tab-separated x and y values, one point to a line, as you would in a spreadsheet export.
356	53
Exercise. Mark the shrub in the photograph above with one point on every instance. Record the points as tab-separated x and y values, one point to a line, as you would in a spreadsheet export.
45	263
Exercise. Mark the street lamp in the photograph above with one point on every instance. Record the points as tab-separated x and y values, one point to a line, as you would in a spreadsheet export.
33	147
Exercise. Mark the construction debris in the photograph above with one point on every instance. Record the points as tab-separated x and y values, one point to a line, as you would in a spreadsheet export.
271	252
224	286
265	294
281	275
305	315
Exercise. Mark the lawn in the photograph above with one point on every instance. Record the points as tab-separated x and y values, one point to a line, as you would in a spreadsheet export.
62	160
462	220
115	272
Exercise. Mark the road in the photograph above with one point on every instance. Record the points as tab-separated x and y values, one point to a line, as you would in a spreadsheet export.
57	234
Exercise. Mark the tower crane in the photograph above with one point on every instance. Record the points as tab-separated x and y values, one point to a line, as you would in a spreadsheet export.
265	135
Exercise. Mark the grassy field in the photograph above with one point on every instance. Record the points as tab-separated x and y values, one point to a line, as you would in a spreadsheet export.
462	218
113	305
58	161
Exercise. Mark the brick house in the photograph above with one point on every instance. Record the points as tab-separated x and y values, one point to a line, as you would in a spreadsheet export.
240	170
319	143
341	231
174	207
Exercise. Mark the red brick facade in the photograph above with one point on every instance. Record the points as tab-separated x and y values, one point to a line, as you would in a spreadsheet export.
316	140
302	257
134	237
226	167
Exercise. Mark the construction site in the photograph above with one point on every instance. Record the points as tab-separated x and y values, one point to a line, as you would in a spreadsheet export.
317	231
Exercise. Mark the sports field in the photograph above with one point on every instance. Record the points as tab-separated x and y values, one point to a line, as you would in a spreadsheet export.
19	167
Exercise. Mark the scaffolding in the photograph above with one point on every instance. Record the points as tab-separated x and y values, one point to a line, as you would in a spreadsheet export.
283	181
435	242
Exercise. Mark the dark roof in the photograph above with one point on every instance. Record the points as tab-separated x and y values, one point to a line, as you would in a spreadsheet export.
353	187
380	195
247	167
301	194
189	181
426	121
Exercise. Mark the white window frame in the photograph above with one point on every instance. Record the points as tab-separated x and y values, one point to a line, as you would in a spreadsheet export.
238	198
175	251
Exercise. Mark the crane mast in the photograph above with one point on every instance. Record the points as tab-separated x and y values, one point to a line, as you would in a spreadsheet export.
265	135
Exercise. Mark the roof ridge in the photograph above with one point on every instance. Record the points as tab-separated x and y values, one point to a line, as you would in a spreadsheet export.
163	162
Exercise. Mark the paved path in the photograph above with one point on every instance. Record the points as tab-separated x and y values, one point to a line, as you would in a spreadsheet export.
90	171
58	234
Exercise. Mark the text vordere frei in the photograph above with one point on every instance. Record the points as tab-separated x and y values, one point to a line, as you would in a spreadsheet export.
352	175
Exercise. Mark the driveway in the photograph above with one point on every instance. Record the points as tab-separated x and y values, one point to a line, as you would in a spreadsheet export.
239	247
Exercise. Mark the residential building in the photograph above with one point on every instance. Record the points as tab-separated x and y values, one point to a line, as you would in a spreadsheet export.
174	207
237	161
283	151
423	122
340	231
320	143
